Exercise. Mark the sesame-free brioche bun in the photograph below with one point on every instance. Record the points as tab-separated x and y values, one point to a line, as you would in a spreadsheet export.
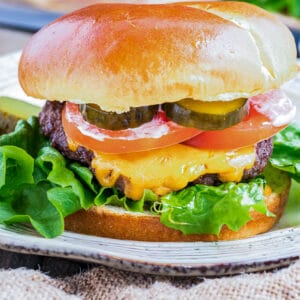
124	55
114	222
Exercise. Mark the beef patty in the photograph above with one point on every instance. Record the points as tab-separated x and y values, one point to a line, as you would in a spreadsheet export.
51	124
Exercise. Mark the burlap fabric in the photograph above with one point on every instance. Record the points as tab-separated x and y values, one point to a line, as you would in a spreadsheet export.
107	283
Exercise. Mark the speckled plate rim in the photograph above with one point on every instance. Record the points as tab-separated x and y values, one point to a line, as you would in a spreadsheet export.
277	248
198	259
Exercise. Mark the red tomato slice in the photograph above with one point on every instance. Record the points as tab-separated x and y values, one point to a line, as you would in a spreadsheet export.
158	133
269	113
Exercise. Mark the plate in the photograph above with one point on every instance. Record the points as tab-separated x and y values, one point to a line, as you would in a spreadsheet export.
277	248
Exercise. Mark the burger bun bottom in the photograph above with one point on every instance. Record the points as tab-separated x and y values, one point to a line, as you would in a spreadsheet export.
115	222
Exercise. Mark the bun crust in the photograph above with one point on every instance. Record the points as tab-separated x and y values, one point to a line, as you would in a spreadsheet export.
108	221
124	55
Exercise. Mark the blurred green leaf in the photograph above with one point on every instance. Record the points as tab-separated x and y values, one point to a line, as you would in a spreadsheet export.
290	7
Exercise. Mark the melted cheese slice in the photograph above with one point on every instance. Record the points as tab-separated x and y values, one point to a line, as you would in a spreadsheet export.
169	169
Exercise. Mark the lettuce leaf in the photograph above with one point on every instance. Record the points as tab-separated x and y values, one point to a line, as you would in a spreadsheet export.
286	153
38	185
205	209
21	199
109	196
291	216
41	200
283	6
30	204
27	135
55	166
16	168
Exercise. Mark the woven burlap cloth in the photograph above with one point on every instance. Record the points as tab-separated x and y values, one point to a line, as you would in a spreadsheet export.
107	283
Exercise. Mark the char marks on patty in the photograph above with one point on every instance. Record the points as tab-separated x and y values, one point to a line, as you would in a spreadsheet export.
51	124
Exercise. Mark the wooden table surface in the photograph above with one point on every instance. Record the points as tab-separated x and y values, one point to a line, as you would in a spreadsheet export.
12	40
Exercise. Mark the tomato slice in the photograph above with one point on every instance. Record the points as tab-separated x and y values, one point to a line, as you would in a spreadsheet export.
158	133
269	113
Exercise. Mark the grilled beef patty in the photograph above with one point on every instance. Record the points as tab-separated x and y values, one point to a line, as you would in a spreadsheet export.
51	124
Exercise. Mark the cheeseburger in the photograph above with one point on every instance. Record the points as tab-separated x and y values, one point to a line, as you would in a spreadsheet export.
173	109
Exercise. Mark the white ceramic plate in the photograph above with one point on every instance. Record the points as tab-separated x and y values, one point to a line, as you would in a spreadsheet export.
277	248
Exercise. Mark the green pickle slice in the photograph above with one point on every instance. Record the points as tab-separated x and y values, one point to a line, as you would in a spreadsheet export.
11	110
114	121
205	115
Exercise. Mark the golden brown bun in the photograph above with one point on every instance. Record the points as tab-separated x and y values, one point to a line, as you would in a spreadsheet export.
108	221
122	55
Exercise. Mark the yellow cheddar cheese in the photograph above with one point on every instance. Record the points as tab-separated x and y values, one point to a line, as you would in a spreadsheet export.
169	169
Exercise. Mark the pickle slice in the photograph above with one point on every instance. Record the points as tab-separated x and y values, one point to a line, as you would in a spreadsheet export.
215	115
11	110
114	121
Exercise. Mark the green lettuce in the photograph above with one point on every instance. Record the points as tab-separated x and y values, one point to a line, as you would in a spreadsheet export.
291	216
291	7
286	153
205	209
38	185
27	135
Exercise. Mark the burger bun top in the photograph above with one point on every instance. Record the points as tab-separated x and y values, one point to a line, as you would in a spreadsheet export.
124	55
